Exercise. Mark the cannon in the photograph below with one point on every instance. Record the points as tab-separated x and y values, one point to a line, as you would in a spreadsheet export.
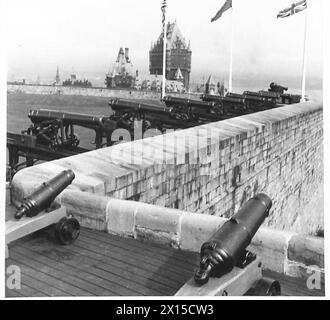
152	116
232	104
56	128
44	195
38	210
195	110
225	256
274	87
67	229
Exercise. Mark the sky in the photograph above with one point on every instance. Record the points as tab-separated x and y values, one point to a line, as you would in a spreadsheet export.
84	36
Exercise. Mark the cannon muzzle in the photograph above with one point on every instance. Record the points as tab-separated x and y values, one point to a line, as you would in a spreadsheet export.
228	245
44	195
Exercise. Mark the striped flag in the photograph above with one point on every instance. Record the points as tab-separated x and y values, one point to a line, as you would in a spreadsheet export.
228	4
163	8
295	8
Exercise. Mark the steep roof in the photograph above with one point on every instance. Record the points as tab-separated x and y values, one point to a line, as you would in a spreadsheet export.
211	80
174	36
122	66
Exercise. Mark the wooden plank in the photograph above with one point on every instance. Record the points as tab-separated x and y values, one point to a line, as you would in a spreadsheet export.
16	229
25	291
12	293
118	270
149	251
70	284
128	270
235	283
148	246
106	280
114	274
47	284
111	262
39	285
168	268
83	279
109	254
153	259
135	242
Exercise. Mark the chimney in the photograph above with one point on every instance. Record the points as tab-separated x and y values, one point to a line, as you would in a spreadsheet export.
126	55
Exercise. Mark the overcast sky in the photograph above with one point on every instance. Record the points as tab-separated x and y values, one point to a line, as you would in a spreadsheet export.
85	36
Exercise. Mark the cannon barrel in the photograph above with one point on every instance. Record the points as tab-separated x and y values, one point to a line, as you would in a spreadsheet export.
226	247
262	94
45	194
175	101
40	115
211	97
230	98
269	94
124	105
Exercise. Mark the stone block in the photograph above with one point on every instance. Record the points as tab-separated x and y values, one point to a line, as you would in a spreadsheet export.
121	217
271	245
158	218
196	229
306	250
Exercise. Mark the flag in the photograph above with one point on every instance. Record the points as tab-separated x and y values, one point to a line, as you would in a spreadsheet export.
163	8
295	8
228	4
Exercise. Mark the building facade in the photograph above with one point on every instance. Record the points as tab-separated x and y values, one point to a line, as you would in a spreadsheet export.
122	74
178	56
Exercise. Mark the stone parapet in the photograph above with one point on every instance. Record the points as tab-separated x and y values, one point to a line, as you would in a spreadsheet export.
211	169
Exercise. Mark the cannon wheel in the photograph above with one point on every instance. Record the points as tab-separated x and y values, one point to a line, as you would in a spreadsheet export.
67	230
267	287
74	140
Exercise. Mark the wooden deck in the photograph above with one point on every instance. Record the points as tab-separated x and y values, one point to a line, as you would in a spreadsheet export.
99	264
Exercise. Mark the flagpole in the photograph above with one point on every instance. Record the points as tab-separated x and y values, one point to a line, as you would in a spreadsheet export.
230	85
303	81
164	58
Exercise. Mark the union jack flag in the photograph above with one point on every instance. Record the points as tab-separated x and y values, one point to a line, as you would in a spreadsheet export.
295	8
163	8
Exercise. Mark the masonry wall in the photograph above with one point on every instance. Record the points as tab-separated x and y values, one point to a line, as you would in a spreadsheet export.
212	169
94	92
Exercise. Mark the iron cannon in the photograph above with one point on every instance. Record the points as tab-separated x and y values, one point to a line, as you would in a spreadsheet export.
194	110
44	195
274	87
227	247
152	116
56	128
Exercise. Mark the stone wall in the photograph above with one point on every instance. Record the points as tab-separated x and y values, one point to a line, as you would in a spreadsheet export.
94	92
212	169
